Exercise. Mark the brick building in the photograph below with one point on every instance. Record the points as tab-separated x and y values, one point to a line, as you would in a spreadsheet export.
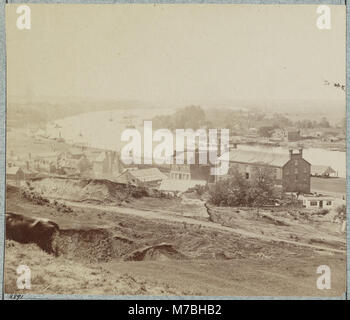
291	172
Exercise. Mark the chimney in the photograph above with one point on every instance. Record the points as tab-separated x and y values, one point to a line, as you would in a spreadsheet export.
301	152
290	153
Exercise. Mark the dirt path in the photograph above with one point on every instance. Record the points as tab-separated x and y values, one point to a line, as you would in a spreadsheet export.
168	216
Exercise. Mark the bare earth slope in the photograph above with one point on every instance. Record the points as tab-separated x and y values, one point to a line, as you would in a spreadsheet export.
149	246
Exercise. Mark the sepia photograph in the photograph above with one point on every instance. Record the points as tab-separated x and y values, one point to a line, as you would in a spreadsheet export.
175	150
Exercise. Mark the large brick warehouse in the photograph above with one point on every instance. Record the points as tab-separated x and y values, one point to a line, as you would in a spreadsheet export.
291	171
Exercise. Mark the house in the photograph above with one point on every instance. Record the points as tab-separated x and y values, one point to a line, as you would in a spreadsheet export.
323	171
150	177
291	172
14	174
318	202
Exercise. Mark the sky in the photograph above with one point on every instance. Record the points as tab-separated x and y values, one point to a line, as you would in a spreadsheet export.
176	53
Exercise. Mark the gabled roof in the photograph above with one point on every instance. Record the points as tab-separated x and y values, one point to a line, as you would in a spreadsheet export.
147	175
256	157
317	198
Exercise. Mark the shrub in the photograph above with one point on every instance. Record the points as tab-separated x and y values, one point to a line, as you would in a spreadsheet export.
238	191
341	209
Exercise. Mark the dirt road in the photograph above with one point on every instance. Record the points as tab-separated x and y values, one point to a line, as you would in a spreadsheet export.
168	216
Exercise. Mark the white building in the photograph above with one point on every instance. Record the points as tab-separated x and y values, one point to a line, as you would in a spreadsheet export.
318	202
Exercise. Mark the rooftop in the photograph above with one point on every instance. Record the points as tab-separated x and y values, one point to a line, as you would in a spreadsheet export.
150	174
257	157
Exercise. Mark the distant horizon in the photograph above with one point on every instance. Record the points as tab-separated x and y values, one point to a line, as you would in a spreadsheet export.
309	106
177	55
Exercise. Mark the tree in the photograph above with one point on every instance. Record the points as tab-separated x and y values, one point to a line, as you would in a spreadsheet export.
263	186
281	121
236	190
231	192
324	123
189	117
304	124
266	131
341	210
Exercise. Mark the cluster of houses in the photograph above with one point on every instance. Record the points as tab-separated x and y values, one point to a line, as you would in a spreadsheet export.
294	134
72	162
291	172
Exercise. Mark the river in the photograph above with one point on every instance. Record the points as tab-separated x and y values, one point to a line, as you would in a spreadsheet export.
103	129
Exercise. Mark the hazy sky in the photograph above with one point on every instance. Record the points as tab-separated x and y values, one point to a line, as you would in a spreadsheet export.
176	53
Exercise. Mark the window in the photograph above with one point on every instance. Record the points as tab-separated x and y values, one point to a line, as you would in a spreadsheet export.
329	203
247	175
313	203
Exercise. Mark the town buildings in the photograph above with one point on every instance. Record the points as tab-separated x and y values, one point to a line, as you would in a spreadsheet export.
323	171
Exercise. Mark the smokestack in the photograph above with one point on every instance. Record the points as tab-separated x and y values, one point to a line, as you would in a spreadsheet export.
290	153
